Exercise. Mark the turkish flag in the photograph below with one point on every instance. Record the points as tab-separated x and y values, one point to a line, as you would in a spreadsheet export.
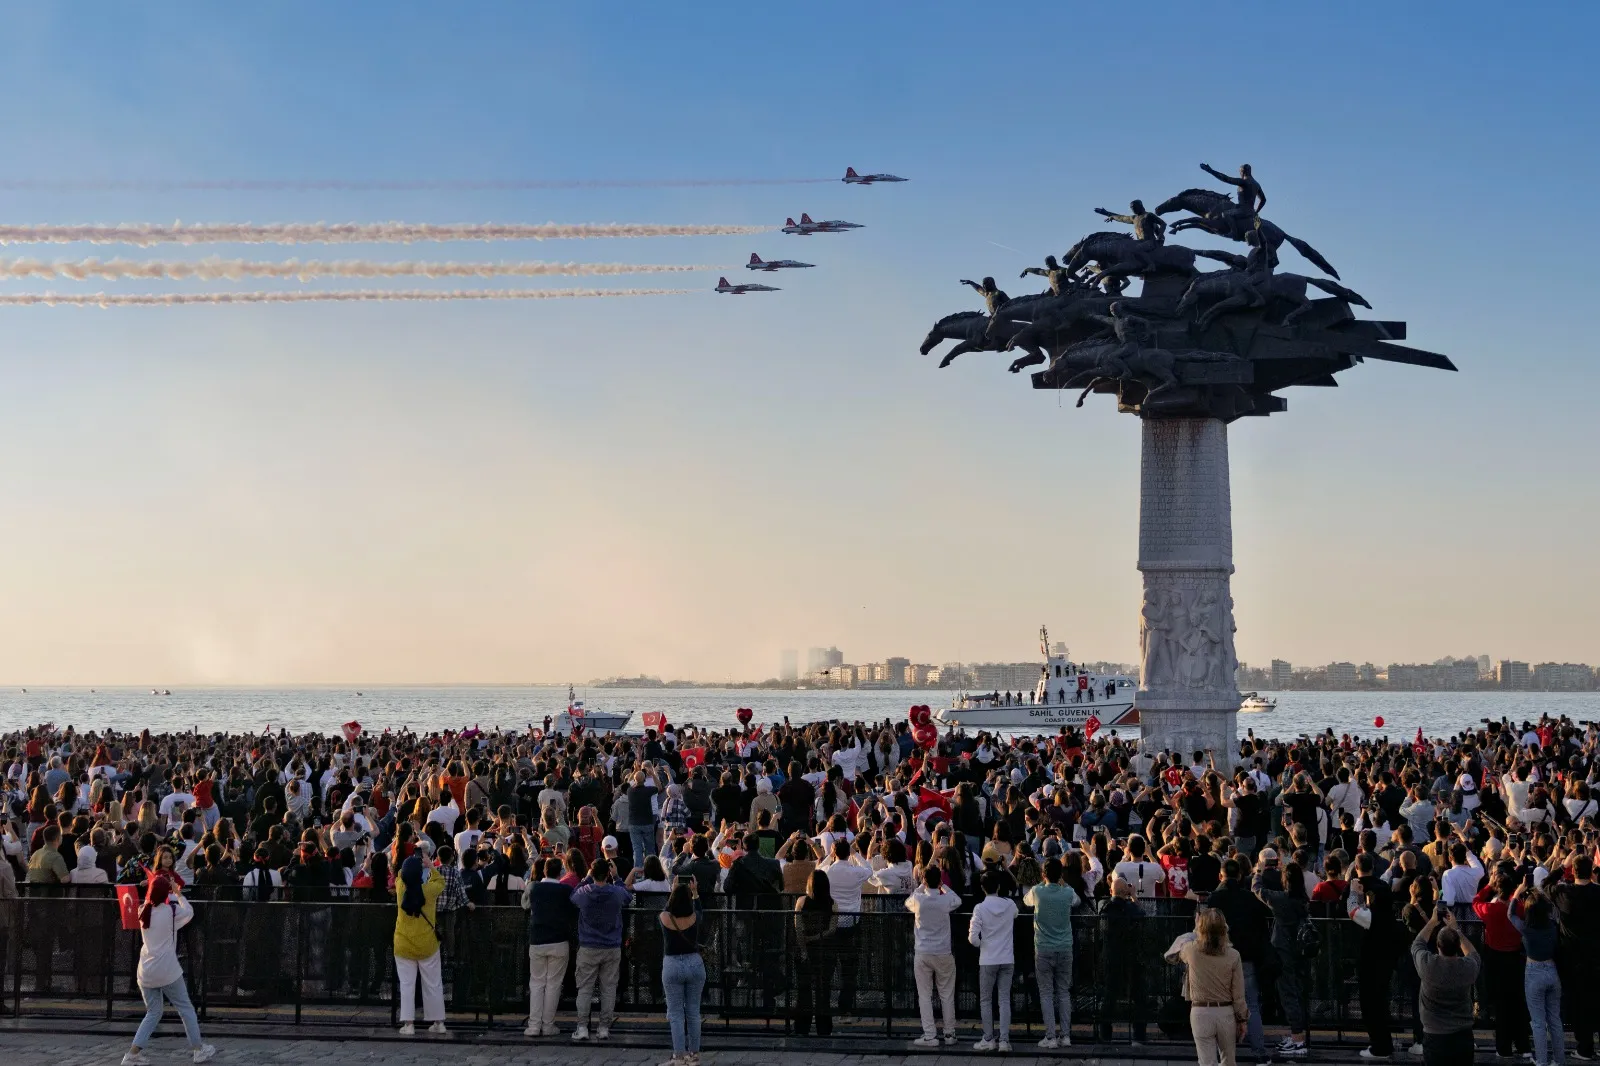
1419	745
1091	727
693	757
927	797
652	720
1083	681
128	905
1174	777
351	730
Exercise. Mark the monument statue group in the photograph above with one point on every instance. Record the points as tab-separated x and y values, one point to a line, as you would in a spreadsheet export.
1188	354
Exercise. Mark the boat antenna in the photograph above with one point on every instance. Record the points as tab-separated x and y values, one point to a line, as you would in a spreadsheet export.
1044	642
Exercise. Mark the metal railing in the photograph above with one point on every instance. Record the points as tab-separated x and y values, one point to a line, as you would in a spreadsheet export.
61	954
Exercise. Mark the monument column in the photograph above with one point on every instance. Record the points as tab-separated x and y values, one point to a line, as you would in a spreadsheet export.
1188	699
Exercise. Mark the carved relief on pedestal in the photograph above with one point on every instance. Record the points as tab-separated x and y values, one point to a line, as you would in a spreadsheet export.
1186	633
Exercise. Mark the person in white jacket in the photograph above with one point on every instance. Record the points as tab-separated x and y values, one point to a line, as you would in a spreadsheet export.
990	932
160	975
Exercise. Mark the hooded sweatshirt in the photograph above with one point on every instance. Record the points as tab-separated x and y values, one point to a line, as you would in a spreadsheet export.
990	931
87	873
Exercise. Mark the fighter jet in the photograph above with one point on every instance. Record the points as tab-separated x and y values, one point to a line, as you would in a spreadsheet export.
769	265
806	227
740	290
852	178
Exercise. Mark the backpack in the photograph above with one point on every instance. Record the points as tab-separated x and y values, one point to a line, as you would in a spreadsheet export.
1307	942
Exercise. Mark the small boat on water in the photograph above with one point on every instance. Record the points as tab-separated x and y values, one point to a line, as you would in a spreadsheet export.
1255	703
592	721
1065	694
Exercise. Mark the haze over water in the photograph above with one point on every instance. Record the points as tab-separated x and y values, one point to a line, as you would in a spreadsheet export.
513	707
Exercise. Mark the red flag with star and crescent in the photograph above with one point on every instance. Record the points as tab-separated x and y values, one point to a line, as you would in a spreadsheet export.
1420	746
1091	727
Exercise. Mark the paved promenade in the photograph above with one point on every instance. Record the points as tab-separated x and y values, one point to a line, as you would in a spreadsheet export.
100	1044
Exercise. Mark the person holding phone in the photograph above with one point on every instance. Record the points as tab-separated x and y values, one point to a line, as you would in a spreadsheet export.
683	970
1447	968
160	974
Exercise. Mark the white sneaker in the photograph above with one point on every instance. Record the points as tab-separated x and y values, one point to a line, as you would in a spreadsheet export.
1372	1056
205	1053
1049	1043
408	1030
1065	1038
1415	1050
1005	1047
135	1058
986	1044
437	1027
533	1030
949	1040
580	1034
602	1033
926	1041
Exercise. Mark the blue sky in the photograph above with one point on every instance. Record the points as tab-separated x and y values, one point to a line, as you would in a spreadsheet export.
685	485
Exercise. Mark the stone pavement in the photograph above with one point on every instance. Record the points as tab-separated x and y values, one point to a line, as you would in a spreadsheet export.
22	1048
102	1044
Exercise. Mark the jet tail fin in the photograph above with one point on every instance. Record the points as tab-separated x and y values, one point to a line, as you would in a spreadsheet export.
850	172
722	283
754	259
805	219
790	221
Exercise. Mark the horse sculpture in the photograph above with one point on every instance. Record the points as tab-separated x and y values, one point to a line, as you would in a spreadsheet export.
972	330
1215	213
1121	256
1239	289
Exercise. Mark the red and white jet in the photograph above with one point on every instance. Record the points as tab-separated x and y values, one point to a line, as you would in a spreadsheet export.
852	178
806	227
758	263
740	290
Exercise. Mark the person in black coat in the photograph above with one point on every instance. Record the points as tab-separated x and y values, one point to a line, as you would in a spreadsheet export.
1248	932
1372	909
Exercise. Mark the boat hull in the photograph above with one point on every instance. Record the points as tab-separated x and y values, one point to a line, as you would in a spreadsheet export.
1039	717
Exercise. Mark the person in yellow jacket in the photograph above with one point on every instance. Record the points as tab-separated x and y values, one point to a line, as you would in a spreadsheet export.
416	946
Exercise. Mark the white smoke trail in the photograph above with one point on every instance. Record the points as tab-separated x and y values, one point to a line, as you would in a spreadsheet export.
101	299
215	269
146	234
425	185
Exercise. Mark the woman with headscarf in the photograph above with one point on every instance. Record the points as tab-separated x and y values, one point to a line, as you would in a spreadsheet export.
160	975
416	946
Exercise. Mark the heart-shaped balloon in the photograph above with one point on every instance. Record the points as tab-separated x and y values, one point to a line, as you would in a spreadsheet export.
922	714
744	714
926	735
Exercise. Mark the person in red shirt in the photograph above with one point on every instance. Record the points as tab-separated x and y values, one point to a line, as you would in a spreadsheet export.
1503	962
1333	888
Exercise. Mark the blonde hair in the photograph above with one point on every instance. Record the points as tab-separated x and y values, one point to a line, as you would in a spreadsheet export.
1211	928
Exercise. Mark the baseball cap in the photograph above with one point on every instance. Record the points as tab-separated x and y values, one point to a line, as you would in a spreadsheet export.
609	843
991	853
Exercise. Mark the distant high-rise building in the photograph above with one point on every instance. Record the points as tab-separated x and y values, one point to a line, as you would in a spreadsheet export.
1484	667
816	660
1341	675
1367	674
1563	677
833	657
1005	677
788	665
1282	673
1512	674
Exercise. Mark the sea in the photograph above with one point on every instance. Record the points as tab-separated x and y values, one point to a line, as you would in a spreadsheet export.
514	707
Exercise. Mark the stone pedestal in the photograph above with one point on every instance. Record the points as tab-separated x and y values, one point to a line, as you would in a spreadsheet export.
1187	697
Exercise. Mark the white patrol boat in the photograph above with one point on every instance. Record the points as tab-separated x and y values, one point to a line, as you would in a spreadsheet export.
1065	694
577	714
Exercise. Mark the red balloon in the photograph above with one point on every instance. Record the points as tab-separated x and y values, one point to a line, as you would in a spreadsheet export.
1377	723
922	714
926	735
744	714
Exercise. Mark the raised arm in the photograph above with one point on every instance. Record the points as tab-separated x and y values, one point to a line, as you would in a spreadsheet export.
1113	216
1220	176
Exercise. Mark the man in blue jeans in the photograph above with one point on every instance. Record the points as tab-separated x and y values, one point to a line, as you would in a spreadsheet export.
1247	931
1052	904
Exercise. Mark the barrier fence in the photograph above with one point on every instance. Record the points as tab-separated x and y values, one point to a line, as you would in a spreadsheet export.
62	954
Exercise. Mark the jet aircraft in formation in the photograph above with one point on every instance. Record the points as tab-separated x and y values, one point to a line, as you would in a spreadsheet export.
740	290
806	227
852	178
758	263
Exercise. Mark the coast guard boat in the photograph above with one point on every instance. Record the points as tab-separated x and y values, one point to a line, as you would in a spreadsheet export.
1065	694
577	714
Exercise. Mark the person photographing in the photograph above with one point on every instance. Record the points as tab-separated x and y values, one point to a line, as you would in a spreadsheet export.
160	974
1447	968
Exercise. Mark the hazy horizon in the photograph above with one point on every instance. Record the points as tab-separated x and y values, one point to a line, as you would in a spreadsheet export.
682	486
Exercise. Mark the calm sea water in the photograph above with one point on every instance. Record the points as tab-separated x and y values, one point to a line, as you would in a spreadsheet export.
513	707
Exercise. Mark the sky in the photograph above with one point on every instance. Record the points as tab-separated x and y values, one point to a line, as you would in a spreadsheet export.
685	485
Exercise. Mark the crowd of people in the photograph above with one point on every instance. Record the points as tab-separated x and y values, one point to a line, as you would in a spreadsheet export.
1410	841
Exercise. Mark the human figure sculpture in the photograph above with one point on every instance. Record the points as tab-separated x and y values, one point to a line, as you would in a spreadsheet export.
1062	281
993	297
1251	197
1155	640
1147	225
